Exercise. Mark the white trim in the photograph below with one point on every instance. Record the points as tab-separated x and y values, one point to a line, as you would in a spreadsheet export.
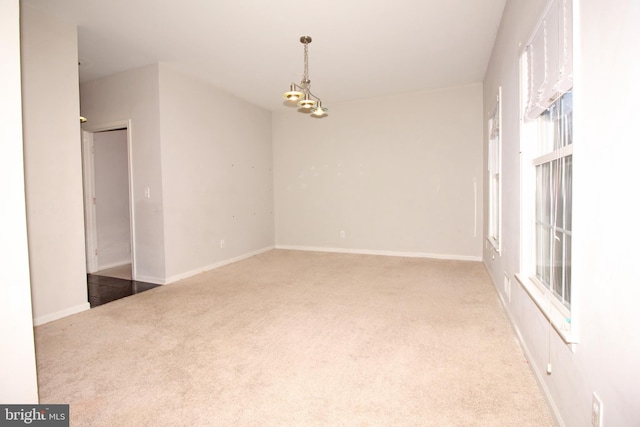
539	375
89	179
383	253
546	303
215	265
576	291
60	314
91	241
150	279
132	205
560	153
494	167
494	243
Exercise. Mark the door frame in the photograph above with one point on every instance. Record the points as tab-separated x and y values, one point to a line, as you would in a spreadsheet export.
88	177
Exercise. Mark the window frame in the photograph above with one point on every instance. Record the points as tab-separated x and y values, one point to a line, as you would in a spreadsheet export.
535	100
561	317
494	169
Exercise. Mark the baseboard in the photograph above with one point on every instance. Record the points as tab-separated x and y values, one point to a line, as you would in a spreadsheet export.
60	314
539	376
218	264
383	253
150	279
114	265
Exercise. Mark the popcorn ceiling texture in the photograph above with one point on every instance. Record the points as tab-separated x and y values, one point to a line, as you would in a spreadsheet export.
292	338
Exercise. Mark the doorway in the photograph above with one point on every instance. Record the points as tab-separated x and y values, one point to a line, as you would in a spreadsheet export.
108	196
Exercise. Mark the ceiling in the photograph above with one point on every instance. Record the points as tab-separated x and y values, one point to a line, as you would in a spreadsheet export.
250	48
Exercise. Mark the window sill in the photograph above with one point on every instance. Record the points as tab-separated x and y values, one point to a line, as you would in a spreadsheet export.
560	322
494	244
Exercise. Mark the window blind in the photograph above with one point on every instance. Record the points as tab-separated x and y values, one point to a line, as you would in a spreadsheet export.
549	58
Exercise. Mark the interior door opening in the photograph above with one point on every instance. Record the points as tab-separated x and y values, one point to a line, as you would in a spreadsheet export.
109	218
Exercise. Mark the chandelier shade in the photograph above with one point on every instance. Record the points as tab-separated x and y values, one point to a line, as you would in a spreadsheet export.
293	94
300	94
307	102
320	111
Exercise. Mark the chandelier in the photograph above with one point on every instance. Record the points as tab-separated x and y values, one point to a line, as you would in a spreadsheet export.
308	102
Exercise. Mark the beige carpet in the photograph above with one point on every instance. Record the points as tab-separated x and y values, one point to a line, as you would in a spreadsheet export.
291	338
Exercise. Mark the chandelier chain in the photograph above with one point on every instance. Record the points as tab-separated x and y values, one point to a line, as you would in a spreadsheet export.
305	77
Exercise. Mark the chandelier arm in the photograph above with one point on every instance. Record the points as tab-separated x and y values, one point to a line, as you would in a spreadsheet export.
313	96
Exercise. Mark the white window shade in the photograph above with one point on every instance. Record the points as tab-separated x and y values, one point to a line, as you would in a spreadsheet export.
565	77
536	58
549	58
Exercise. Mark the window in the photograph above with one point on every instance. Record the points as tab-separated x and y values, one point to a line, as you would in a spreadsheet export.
553	169
547	167
494	168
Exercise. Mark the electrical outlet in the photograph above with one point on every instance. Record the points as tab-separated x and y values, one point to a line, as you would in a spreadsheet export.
596	411
222	244
342	234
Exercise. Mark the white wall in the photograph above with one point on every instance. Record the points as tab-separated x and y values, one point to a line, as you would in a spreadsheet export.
606	228
399	175
53	168
111	172
216	174
134	95
18	382
206	159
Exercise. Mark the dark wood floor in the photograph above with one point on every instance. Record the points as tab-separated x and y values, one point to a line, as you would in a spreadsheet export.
104	289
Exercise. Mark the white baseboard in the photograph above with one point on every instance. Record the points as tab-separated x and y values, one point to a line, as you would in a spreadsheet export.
60	314
215	265
539	376
150	279
383	253
114	265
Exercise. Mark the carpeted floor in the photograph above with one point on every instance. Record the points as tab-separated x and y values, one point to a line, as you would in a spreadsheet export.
290	338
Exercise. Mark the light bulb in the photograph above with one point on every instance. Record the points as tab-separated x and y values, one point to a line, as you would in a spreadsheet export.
307	103
319	111
293	95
